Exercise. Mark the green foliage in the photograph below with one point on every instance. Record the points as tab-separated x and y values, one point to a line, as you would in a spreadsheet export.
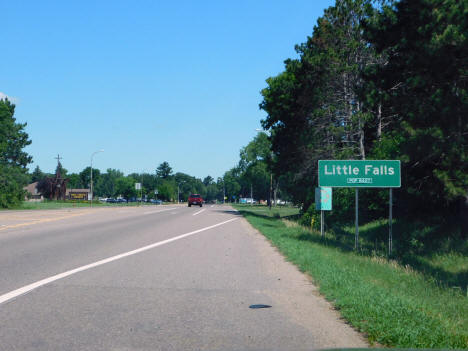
385	82
37	175
106	183
85	176
12	180
253	171
74	181
113	183
125	187
13	138
13	160
167	190
164	170
231	184
208	180
313	107
423	85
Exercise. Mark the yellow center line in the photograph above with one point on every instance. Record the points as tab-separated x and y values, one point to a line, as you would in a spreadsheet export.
44	220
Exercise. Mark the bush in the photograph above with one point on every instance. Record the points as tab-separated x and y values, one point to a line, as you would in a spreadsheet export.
12	181
311	218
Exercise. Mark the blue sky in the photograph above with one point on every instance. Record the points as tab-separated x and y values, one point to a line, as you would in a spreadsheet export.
147	81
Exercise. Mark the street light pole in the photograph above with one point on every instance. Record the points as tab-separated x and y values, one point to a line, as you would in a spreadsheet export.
92	155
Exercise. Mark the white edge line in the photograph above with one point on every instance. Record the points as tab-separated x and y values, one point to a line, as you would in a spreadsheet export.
25	289
198	212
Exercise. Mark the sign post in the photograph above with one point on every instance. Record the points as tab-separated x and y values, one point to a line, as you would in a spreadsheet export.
138	187
356	220
362	174
390	220
323	202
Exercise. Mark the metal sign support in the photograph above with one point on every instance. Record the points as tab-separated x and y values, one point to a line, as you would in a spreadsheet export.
390	222
356	237
322	220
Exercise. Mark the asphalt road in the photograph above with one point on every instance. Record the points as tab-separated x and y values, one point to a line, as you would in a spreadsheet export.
154	278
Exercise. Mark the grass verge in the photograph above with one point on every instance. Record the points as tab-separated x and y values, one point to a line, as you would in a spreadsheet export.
53	205
392	304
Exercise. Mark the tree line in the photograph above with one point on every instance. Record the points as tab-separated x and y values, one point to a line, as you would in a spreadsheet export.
377	80
113	183
253	176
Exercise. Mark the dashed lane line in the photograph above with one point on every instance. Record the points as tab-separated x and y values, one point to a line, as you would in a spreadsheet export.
157	211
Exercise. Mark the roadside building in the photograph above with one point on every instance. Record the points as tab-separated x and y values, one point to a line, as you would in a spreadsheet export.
32	194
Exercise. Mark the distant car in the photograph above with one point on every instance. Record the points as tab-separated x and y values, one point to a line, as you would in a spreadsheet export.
111	200
156	202
121	200
195	199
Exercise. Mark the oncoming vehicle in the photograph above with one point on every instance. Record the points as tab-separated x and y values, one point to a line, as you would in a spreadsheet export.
195	199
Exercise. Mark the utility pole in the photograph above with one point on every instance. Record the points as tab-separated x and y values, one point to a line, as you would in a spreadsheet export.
92	155
251	194
178	194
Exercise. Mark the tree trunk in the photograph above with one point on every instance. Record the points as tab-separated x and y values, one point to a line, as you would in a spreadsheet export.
379	122
362	150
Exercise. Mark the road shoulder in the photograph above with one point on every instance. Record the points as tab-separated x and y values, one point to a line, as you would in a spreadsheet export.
299	299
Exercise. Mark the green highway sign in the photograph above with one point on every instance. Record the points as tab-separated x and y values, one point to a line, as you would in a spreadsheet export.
323	199
359	174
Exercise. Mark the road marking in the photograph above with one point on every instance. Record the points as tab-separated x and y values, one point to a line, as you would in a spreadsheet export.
25	289
198	212
166	209
44	220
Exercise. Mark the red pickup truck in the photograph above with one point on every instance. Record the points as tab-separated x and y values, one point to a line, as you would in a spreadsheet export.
195	199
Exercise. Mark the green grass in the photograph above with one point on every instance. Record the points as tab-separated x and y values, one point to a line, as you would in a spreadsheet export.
394	305
53	205
441	259
275	211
